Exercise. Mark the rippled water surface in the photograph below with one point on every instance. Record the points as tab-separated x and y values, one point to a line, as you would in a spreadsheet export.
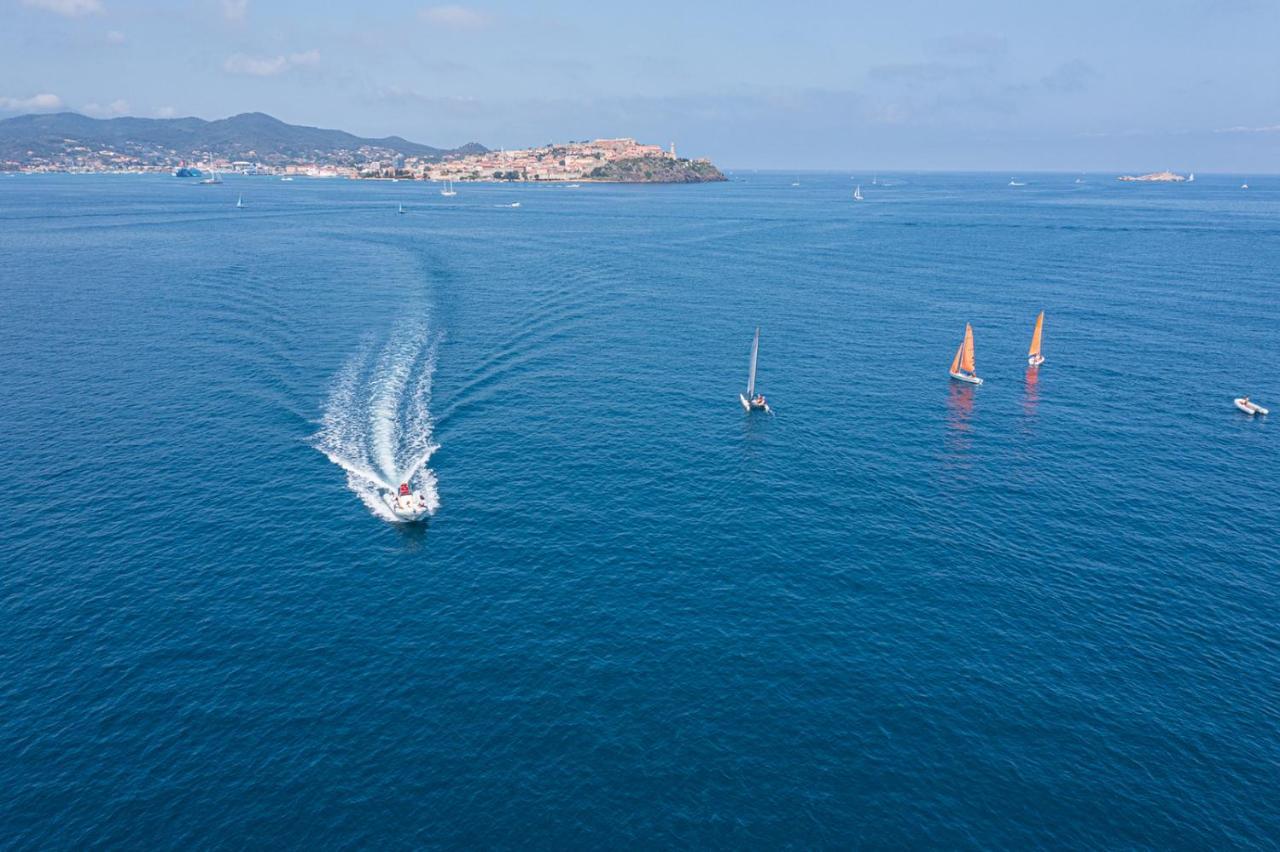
900	611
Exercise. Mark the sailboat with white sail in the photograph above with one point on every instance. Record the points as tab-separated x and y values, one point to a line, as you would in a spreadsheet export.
448	191
752	401
240	201
400	210
857	193
1034	358
962	366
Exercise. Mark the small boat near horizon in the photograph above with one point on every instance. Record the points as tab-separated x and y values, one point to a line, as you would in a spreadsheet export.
1244	186
448	191
752	401
400	210
286	179
857	193
1191	178
240	201
1013	182
213	178
962	366
1034	358
1251	408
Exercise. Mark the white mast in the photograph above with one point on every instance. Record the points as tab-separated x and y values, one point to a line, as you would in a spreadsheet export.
751	377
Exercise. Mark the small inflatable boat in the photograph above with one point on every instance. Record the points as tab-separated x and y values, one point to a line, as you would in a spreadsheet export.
1248	407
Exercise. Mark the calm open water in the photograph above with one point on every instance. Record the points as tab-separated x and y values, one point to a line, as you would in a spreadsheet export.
1038	613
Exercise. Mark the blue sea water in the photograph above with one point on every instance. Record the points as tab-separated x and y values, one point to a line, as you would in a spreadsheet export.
1040	613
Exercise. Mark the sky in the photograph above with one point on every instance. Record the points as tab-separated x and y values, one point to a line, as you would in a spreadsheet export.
903	84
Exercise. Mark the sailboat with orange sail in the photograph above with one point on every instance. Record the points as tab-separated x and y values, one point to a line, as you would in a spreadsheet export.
1034	358
962	367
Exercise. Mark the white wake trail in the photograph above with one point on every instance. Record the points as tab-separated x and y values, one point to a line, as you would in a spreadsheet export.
377	423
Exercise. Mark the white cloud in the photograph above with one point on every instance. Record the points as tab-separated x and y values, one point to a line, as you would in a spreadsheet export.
235	10
115	37
1270	128
269	66
456	17
35	103
67	8
111	110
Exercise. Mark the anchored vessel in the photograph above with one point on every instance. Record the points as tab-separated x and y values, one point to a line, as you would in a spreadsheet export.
752	401
1250	408
962	365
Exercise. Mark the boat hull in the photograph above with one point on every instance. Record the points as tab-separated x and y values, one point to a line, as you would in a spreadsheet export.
416	511
1035	360
965	377
749	406
1250	408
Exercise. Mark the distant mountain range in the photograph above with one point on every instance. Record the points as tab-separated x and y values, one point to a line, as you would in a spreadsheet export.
250	136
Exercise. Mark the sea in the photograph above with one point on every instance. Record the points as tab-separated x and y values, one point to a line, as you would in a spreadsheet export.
897	612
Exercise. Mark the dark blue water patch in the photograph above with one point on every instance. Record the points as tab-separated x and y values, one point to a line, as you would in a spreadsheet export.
899	612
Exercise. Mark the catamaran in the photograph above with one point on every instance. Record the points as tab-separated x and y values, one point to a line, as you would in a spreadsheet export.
405	504
448	191
857	193
1034	358
962	364
752	400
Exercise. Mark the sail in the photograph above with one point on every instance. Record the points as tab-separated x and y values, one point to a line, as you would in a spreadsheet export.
1035	336
955	362
966	349
751	376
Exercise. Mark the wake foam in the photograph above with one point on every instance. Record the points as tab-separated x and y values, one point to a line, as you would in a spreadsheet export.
377	421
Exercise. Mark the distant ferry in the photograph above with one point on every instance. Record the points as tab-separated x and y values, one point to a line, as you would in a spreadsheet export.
187	171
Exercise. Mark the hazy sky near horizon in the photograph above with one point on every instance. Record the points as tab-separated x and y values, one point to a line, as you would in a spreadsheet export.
909	84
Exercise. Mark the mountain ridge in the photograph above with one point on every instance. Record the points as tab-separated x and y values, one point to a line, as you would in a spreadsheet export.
249	135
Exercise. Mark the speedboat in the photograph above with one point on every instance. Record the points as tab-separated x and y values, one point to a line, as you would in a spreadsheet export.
406	505
1248	407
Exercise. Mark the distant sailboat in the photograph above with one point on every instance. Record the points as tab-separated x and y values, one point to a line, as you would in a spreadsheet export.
1191	177
1034	358
240	201
448	191
400	210
962	365
857	193
752	400
1013	182
1244	186
875	180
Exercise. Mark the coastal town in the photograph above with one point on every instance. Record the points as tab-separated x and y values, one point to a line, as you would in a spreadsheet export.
601	159
87	148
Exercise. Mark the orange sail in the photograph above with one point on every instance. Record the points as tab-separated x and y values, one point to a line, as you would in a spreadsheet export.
966	350
1035	337
955	362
